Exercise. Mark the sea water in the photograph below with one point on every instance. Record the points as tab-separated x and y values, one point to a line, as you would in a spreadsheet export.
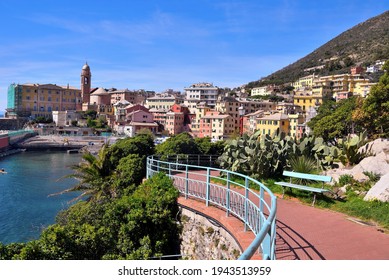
26	207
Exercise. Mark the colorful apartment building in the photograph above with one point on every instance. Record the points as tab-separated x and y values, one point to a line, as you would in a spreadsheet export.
178	119
40	100
263	91
205	92
304	83
250	122
216	125
295	120
363	88
344	82
163	101
306	101
139	119
230	106
132	96
273	123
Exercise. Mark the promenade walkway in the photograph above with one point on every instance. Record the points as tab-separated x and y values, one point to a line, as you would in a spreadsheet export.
308	233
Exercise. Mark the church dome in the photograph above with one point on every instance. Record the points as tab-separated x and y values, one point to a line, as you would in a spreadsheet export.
86	67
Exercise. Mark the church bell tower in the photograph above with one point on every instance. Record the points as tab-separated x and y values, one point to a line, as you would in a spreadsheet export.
85	85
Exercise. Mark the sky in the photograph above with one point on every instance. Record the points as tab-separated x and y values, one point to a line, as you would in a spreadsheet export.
165	44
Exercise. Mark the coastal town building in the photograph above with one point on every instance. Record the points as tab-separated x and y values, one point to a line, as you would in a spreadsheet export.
137	120
40	100
163	101
250	121
273	123
230	106
265	90
206	92
295	121
216	125
304	83
200	112
306	100
66	118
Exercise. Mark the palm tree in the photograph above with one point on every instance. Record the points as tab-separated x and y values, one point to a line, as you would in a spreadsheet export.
94	175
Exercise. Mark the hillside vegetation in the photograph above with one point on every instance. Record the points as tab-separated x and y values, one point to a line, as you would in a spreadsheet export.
361	45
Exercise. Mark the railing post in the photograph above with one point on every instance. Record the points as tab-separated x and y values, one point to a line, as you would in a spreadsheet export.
228	194
246	195
208	187
198	160
147	167
170	169
157	165
186	182
261	199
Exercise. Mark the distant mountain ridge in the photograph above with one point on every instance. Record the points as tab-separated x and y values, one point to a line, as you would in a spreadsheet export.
362	45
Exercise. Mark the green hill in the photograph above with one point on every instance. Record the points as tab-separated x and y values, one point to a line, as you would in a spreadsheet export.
362	45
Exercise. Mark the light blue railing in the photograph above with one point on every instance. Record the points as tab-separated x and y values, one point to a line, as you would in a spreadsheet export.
197	176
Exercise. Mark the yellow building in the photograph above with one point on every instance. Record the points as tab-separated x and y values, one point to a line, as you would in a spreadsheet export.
272	124
363	88
307	100
163	101
322	88
345	83
304	82
37	100
294	121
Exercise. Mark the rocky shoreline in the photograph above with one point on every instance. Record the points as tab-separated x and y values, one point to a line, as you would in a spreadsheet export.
10	152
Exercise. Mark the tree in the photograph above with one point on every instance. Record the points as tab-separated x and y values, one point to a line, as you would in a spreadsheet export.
94	175
142	145
207	147
334	120
129	172
374	112
138	225
182	143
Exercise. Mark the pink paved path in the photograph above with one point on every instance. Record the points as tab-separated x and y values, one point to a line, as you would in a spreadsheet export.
308	233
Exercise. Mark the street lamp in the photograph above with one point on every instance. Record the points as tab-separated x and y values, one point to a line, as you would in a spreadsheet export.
241	114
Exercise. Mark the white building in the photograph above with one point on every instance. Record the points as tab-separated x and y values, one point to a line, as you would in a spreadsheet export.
206	92
65	118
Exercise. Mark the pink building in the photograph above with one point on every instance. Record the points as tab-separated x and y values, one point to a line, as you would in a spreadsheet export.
178	119
343	95
174	122
140	119
216	125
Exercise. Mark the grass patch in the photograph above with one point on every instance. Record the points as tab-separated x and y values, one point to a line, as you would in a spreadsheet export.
376	211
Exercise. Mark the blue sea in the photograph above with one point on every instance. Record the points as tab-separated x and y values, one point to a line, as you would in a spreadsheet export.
25	205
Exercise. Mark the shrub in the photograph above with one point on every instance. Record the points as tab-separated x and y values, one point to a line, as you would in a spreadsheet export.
345	179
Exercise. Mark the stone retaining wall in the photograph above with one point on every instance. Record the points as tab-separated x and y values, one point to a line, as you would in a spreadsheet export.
204	239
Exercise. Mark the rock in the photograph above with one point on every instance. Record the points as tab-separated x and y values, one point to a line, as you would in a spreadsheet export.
380	190
376	164
377	146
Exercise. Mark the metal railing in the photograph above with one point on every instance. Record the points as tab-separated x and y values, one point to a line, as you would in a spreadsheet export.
197	176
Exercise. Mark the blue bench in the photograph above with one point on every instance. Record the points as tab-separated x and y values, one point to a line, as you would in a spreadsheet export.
319	178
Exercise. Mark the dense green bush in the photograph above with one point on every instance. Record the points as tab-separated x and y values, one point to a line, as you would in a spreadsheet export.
120	219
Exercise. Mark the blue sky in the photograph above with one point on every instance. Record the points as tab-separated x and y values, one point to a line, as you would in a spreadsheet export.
156	45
